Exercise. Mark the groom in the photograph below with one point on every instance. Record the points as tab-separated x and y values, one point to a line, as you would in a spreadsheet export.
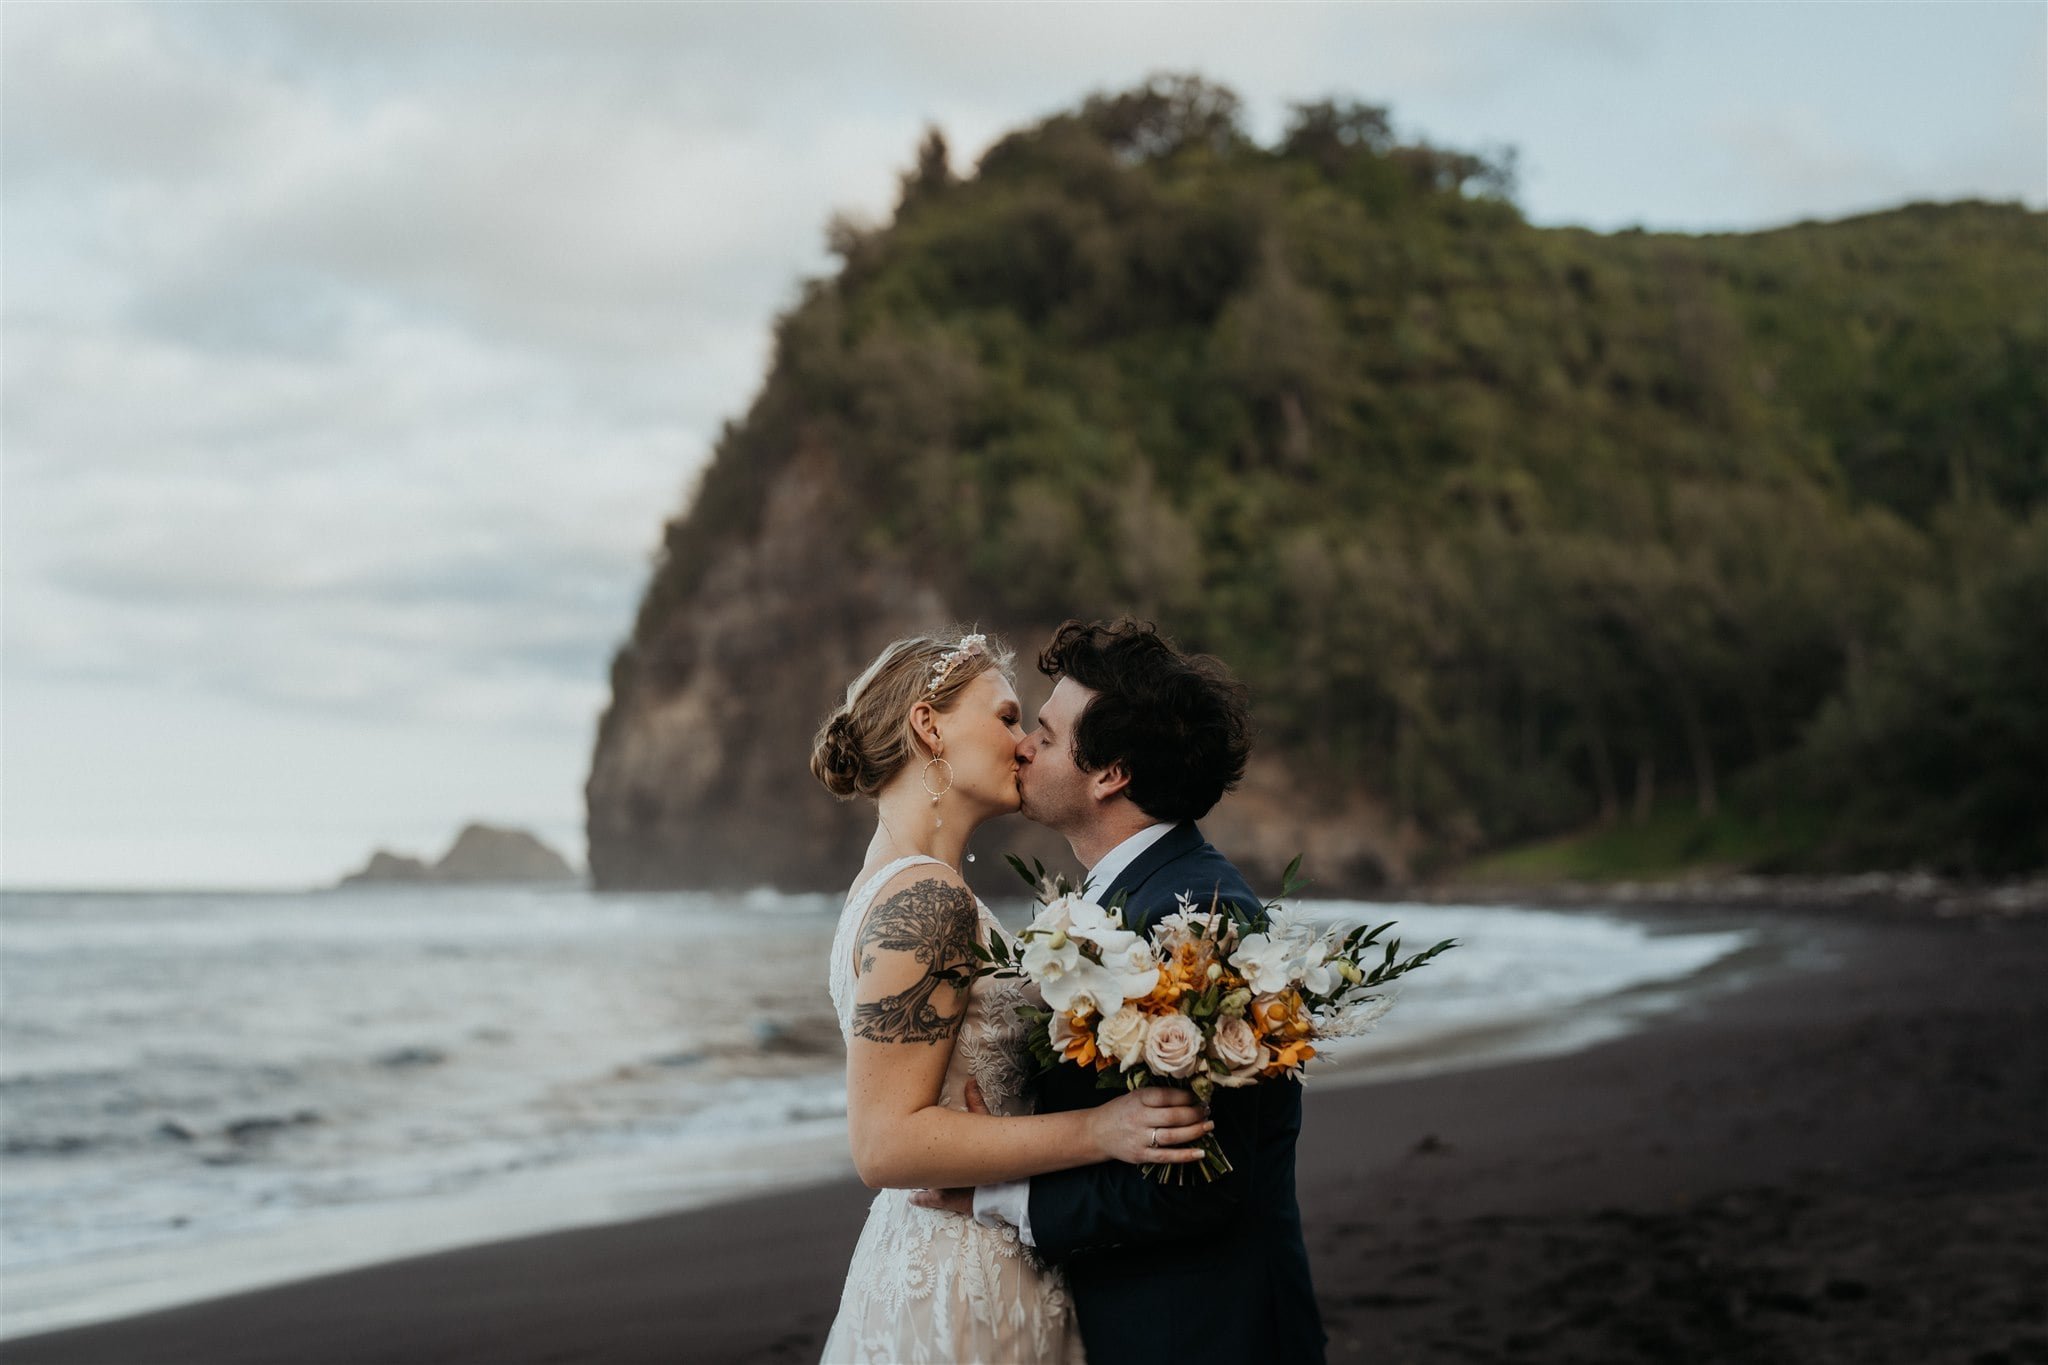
1136	742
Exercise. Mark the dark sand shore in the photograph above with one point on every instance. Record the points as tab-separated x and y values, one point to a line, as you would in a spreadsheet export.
1848	1164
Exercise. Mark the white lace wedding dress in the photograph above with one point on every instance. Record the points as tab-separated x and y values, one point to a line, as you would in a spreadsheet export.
930	1286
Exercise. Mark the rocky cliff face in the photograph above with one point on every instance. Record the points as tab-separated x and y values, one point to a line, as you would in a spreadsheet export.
701	776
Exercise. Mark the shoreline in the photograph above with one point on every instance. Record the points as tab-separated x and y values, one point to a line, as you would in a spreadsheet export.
1600	1148
705	1171
1902	895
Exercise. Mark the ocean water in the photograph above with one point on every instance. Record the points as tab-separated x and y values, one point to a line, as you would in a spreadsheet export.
205	1092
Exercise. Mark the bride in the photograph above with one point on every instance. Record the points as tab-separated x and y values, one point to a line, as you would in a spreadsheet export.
933	733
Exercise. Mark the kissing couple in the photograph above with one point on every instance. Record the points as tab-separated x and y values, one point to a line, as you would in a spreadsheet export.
1013	1222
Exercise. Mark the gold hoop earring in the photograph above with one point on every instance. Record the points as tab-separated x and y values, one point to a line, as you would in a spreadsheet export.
925	778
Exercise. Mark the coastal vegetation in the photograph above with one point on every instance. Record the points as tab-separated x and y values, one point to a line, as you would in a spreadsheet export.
1523	532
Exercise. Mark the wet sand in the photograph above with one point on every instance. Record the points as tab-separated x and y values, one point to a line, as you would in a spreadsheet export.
1841	1164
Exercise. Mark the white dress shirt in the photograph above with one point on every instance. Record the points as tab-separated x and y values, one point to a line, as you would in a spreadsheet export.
1010	1201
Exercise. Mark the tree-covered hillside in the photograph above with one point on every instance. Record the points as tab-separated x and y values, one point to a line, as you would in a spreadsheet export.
1515	529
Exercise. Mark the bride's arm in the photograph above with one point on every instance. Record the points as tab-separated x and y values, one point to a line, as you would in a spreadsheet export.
905	1016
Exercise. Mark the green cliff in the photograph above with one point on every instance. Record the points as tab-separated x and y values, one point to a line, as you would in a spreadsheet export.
1513	531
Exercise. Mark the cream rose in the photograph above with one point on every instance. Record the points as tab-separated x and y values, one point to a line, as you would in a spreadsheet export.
1235	1045
1122	1036
1173	1045
1242	1052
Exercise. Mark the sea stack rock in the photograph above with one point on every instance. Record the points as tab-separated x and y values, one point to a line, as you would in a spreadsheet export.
391	867
480	854
485	853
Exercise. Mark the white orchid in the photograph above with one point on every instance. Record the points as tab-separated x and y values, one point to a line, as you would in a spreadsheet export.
1135	969
1079	988
1058	914
1061	946
1266	962
1049	954
1101	927
1318	974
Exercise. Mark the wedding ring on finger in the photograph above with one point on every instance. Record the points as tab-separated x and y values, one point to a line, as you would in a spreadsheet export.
1155	1137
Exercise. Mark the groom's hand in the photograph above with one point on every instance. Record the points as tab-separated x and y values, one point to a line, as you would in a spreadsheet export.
959	1200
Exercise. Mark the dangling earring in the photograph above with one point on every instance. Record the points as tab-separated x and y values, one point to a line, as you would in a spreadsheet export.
925	778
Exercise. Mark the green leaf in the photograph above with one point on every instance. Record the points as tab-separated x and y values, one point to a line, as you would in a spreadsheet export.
1290	878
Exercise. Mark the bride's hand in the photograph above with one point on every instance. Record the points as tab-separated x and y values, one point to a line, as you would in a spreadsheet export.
1149	1125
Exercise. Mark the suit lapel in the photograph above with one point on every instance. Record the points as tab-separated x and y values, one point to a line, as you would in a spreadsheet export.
1177	842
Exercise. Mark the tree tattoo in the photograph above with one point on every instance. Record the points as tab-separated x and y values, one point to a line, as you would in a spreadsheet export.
936	923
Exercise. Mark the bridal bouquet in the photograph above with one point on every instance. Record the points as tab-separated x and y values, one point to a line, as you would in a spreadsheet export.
1211	998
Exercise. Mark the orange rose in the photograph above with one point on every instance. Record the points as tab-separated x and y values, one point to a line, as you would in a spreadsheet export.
1280	1018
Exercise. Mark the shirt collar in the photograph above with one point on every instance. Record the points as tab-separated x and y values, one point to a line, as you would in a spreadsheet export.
1111	865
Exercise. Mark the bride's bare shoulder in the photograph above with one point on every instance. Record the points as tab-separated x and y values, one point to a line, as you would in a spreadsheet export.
925	909
913	875
917	874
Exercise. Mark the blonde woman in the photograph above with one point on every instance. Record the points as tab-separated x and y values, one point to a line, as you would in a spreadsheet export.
931	733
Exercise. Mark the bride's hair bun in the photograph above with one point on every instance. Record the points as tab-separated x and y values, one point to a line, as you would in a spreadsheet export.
868	740
836	758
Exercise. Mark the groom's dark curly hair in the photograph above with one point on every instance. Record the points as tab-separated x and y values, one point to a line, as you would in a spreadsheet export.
1179	724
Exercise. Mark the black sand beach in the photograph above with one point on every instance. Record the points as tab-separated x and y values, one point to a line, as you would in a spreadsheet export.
1845	1164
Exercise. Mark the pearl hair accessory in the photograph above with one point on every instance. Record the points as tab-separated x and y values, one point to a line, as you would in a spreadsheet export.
969	645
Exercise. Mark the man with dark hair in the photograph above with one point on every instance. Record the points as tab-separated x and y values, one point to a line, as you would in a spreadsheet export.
1136	742
1169	732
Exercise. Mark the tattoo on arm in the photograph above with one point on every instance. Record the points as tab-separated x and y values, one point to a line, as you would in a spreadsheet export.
936	923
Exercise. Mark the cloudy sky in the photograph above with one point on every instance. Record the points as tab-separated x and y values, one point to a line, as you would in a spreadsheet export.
353	355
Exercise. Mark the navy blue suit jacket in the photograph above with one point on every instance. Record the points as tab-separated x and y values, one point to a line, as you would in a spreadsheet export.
1196	1272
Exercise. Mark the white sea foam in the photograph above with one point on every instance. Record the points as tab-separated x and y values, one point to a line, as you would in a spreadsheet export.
202	1093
